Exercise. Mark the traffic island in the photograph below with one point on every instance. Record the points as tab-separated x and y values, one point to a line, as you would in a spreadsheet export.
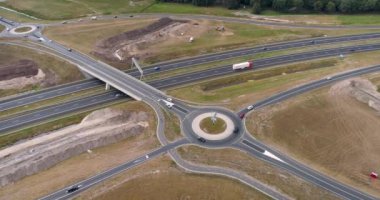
213	125
24	29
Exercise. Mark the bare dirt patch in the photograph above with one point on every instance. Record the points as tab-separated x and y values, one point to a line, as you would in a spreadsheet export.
19	74
100	128
137	43
335	131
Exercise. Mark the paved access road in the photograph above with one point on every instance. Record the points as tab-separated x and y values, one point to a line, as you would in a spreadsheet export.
176	64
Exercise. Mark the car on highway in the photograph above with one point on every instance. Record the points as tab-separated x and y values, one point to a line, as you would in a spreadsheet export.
73	188
313	42
156	68
169	99
250	107
69	49
242	115
115	16
236	130
201	139
328	78
352	50
265	48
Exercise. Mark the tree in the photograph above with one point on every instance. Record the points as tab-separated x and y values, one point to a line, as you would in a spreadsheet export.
279	4
331	7
318	6
298	4
256	7
345	6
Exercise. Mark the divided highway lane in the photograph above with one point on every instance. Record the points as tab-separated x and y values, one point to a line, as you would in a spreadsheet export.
261	63
51	112
22	120
170	65
85	184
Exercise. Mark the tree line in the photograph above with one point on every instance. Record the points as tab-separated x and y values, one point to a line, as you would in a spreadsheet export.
293	6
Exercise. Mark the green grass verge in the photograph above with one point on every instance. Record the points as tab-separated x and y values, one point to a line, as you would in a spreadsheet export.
187	9
59	10
2	28
22	29
54	101
12	137
249	82
172	127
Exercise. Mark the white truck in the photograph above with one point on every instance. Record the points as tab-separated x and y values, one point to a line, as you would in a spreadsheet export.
243	65
168	103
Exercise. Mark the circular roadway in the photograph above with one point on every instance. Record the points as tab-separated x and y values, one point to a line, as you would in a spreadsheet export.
32	29
191	129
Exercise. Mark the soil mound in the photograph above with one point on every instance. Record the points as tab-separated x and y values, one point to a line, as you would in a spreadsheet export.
21	68
359	88
122	47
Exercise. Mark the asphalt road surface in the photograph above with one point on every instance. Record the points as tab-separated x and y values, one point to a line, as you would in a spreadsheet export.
22	120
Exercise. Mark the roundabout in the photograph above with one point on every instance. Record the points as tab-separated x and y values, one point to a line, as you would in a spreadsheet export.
23	29
213	127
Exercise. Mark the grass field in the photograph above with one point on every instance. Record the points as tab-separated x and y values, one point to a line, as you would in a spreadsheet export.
163	180
176	8
334	133
172	127
66	9
22	29
86	164
276	178
57	70
208	126
2	28
328	19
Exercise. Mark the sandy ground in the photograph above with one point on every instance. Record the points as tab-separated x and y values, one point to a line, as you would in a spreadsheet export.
100	128
20	82
335	131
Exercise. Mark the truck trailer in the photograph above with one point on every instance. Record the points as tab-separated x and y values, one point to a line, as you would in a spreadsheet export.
243	65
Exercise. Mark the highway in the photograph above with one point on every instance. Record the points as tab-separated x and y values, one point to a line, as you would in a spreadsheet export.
43	114
171	65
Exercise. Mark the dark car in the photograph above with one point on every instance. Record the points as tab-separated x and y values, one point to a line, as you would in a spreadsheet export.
265	48
352	49
236	130
313	42
201	139
73	188
242	115
69	50
157	68
115	16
